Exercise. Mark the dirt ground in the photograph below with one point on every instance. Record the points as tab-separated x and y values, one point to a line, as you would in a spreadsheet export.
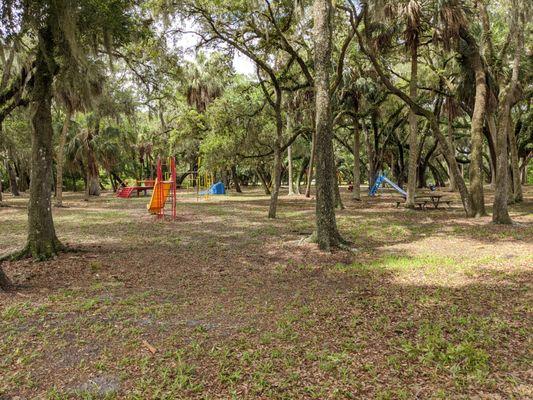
223	303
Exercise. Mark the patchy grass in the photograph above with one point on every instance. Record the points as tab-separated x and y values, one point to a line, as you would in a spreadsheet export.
224	303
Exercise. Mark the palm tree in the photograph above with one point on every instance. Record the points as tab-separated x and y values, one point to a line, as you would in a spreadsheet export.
75	94
203	82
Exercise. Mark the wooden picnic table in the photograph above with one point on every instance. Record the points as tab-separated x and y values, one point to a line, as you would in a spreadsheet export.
435	198
422	199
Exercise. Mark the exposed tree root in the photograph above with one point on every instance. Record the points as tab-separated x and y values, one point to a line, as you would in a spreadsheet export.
341	243
5	283
37	254
17	255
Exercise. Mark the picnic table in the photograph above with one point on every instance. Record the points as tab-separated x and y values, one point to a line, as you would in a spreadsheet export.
422	200
433	198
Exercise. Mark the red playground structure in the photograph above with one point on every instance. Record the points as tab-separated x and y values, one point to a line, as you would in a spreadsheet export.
164	191
142	186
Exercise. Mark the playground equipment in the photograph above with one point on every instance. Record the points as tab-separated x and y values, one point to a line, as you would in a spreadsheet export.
164	191
216	188
200	182
142	186
380	180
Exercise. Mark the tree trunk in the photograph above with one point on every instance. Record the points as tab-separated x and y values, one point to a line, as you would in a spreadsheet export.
289	156
13	185
413	130
356	192
61	159
476	134
264	180
42	240
5	283
276	183
305	163
93	176
235	179
517	188
449	154
507	98
370	155
450	137
338	198
327	234
311	164
500	212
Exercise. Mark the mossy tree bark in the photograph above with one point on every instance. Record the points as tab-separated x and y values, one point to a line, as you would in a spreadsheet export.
508	97
476	136
327	234
42	240
472	53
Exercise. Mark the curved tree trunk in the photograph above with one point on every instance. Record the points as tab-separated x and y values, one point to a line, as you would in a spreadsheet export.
305	163
61	159
507	98
449	154
356	192
413	130
327	234
264	181
42	240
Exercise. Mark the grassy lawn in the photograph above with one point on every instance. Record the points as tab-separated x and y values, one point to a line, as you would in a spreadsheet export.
224	303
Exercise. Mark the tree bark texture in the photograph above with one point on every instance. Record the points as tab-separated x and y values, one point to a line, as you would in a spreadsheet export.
413	131
327	233
42	240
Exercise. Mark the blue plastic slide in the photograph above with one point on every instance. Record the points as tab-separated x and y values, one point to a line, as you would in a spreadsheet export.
379	181
217	188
